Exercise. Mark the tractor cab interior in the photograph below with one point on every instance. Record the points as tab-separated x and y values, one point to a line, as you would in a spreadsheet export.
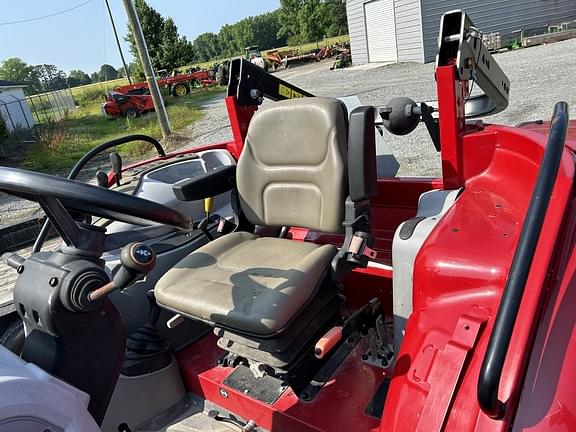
330	298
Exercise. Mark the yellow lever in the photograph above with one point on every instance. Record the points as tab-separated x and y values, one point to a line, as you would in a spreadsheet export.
208	205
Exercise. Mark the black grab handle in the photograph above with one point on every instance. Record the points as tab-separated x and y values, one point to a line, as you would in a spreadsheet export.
491	371
82	163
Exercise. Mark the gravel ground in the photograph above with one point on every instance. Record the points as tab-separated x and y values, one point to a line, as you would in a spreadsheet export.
539	76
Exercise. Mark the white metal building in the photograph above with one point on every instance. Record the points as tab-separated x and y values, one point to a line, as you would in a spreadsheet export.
407	30
14	108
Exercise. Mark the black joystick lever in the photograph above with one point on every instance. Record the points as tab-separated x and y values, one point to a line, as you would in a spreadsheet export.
102	179
137	259
116	162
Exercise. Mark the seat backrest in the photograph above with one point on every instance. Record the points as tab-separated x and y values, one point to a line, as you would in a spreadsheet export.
293	168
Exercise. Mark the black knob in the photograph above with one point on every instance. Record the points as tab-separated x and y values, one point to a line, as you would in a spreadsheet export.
138	256
399	116
116	162
137	259
102	179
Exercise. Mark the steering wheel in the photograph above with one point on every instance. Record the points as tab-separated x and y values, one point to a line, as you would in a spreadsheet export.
57	194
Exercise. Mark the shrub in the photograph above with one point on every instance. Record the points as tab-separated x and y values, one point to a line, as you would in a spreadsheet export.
52	135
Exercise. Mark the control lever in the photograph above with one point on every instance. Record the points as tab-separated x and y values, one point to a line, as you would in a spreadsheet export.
203	224
102	179
137	259
116	162
13	260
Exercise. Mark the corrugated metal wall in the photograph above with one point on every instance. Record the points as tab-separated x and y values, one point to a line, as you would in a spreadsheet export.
357	31
14	109
494	15
408	30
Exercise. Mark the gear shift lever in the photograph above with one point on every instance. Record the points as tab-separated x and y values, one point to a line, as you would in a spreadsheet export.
137	259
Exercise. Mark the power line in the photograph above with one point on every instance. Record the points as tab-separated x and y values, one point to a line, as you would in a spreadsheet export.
45	16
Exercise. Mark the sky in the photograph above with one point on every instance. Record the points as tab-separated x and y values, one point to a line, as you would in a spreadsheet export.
83	39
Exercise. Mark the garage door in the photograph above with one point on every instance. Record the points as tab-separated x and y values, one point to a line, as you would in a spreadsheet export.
380	31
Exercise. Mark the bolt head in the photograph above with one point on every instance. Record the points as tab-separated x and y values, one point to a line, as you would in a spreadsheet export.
53	281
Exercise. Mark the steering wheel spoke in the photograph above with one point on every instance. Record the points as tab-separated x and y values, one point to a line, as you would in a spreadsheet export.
74	234
58	196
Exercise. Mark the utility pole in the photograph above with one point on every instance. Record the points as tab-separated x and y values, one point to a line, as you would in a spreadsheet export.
147	66
118	43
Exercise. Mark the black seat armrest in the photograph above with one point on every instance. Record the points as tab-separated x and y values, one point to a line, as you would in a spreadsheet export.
362	176
212	183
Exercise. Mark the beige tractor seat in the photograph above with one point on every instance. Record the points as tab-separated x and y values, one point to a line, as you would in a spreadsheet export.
246	283
293	171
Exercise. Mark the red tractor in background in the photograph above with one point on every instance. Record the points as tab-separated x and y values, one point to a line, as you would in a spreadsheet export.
126	105
178	85
132	100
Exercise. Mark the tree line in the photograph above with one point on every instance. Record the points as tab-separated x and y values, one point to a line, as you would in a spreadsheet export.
294	23
47	77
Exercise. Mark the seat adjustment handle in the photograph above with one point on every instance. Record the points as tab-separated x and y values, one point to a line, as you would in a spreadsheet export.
327	342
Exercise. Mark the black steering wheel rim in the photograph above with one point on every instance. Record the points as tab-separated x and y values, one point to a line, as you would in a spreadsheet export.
97	201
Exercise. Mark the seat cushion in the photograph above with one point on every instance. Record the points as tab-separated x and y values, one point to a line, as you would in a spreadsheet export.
251	284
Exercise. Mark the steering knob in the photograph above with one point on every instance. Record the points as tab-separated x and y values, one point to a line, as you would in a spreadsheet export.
400	116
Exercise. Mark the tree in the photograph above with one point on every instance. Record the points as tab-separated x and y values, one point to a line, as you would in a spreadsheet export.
167	49
51	77
107	73
206	47
311	20
152	23
289	19
174	50
15	69
336	23
94	77
77	78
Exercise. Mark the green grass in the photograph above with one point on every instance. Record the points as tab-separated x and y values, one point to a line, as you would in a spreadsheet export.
61	144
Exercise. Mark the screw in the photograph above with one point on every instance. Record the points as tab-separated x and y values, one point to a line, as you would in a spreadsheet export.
223	393
20	269
246	391
53	282
364	357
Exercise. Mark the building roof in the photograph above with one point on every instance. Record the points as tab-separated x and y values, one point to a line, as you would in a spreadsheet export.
4	83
